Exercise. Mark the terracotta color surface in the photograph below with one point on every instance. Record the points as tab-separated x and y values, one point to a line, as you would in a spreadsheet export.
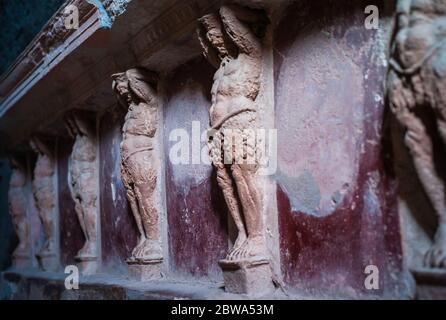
416	84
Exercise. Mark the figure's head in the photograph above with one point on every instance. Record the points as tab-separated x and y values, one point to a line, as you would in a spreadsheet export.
77	123
135	84
36	144
15	162
121	86
211	30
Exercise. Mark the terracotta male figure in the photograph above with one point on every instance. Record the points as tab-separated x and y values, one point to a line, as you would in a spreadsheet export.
231	44
136	90
17	209
84	182
417	82
44	194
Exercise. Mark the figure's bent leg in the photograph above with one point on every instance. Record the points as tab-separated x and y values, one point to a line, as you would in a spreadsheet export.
228	188
402	100
145	193
421	149
436	257
21	228
90	221
80	215
249	195
131	197
49	229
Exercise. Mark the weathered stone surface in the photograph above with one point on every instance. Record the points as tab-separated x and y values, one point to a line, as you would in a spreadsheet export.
337	200
196	210
416	81
44	190
137	92
71	235
232	45
247	277
431	284
21	257
84	187
118	226
38	286
147	270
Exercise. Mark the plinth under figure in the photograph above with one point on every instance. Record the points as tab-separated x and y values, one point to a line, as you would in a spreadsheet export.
417	83
44	194
84	188
21	257
231	42
136	91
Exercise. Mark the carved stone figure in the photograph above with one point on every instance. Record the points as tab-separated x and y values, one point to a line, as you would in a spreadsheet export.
17	208
136	91
84	187
44	194
417	82
230	43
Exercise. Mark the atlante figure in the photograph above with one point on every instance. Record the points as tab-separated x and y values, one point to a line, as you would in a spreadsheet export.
417	83
136	91
84	181
17	209
44	194
231	43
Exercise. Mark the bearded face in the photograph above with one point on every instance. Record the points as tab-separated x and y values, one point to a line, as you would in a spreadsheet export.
121	88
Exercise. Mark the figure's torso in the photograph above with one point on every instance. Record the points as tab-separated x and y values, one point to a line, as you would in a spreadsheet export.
16	193
44	167
43	181
141	119
83	163
236	83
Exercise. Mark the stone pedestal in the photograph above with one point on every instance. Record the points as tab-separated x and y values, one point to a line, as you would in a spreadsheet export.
431	284
145	270
253	278
21	261
48	262
88	265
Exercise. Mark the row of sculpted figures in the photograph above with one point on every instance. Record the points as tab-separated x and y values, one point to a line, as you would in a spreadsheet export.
231	41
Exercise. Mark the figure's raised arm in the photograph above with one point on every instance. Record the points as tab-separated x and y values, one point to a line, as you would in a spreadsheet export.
403	12
209	51
237	20
41	146
212	38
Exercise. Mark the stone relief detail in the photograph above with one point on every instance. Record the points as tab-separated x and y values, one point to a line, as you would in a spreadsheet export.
18	210
45	197
83	175
417	83
231	43
136	91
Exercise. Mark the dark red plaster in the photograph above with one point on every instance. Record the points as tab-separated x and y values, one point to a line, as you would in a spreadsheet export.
119	231
321	254
71	236
196	211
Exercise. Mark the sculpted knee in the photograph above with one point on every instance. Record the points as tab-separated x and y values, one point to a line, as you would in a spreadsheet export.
236	171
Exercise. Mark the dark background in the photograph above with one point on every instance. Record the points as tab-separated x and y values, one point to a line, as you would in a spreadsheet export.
20	22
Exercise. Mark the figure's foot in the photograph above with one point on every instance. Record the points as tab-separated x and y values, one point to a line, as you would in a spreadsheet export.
252	249
436	256
150	250
88	250
137	250
241	239
47	249
21	251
